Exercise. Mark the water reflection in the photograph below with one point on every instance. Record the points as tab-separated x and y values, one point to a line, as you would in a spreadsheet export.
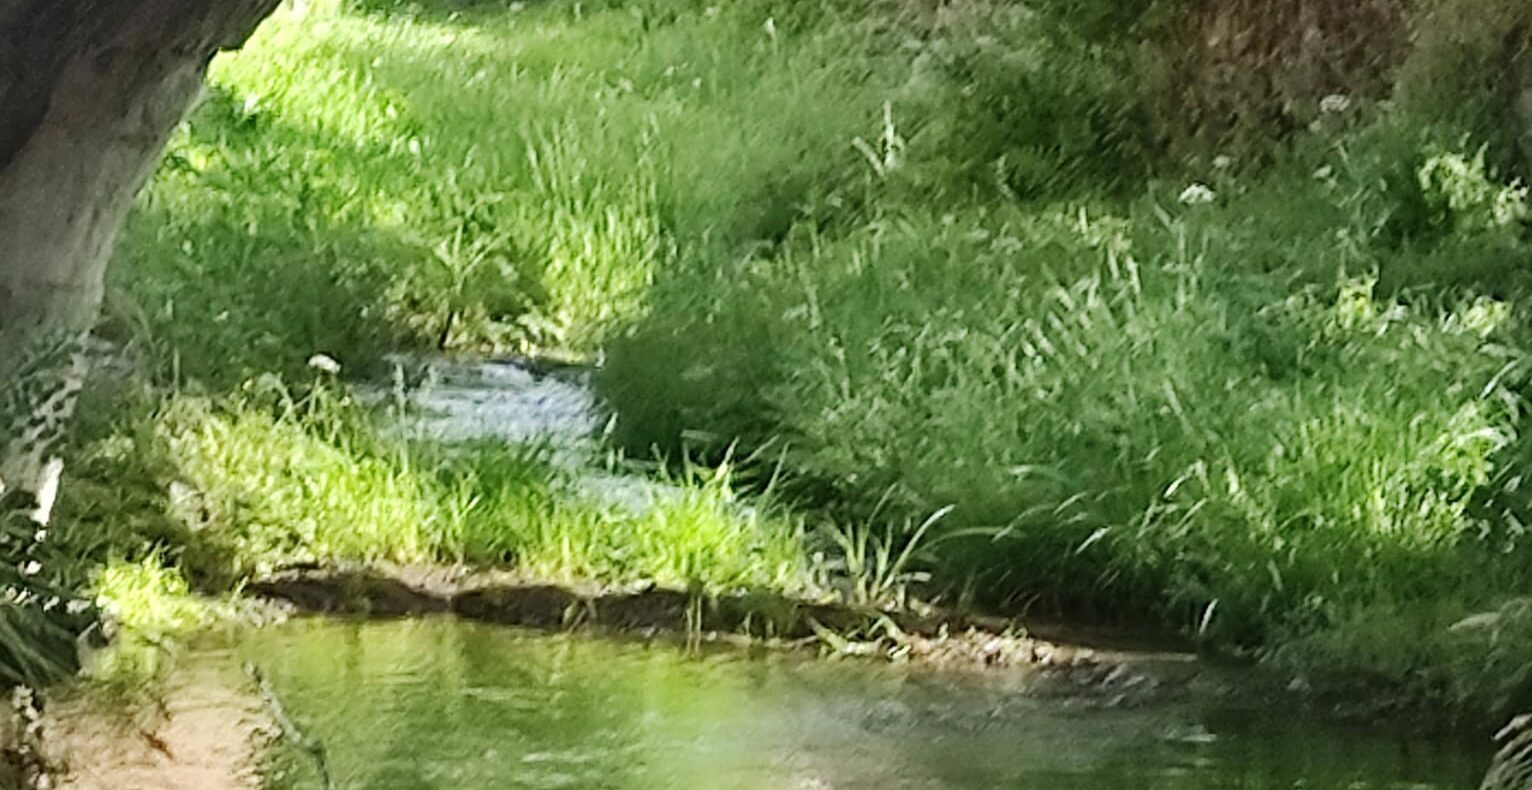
436	703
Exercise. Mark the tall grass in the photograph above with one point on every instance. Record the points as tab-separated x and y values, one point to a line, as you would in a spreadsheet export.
370	177
1251	418
360	179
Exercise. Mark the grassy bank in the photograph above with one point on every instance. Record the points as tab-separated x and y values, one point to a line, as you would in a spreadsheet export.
231	488
1266	394
969	272
367	176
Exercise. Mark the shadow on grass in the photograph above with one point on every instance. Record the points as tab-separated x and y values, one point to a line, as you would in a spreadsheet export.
255	249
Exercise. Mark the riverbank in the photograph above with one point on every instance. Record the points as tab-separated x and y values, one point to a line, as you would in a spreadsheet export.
278	495
930	637
199	723
1094	664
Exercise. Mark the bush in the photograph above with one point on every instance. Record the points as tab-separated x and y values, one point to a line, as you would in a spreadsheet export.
1237	76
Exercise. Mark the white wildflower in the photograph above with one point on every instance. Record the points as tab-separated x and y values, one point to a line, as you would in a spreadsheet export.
76	606
324	363
40	536
1222	162
1197	194
1335	103
31	568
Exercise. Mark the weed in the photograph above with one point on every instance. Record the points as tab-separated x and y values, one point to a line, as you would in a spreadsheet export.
878	567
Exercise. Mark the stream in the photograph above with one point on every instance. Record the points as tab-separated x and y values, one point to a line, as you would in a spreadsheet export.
436	702
469	400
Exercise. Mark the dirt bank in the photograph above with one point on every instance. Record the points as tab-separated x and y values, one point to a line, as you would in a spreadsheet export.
1110	667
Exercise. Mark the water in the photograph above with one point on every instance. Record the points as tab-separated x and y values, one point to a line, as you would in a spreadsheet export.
501	400
440	703
457	400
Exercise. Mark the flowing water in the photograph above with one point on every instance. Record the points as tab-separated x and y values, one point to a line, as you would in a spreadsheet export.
439	703
505	400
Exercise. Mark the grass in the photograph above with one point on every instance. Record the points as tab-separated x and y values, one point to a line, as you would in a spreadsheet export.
484	180
270	479
365	178
175	503
935	264
1065	413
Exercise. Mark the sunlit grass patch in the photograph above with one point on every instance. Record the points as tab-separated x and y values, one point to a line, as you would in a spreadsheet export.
148	601
693	532
502	179
301	480
147	608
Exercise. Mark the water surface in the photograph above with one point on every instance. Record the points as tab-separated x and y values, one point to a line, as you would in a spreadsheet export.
441	703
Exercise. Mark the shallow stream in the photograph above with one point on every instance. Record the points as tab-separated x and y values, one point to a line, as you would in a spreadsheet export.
439	703
508	401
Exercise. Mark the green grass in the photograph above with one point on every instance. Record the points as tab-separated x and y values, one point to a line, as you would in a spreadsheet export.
359	181
364	178
930	262
697	535
1111	412
247	484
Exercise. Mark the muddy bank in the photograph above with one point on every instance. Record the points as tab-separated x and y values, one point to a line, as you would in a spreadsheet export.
1119	668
